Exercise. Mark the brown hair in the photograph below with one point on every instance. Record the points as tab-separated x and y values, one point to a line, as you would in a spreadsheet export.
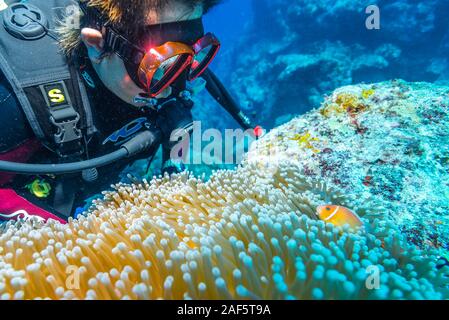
126	14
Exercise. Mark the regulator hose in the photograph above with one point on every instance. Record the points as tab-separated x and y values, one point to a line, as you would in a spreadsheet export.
136	145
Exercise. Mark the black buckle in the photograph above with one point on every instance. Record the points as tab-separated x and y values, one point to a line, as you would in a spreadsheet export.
66	134
68	138
67	130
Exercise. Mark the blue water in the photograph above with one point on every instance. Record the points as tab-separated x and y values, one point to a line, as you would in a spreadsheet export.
228	20
280	57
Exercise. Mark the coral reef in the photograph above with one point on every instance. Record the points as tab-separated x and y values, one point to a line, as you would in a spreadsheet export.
253	232
387	141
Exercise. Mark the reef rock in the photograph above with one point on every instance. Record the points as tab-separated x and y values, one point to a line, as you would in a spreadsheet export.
386	141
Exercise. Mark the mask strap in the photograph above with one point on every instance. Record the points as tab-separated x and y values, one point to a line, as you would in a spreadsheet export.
126	50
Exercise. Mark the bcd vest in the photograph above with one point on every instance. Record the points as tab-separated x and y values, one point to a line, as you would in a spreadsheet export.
48	87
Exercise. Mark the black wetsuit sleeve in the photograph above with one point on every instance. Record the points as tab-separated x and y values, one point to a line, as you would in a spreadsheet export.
14	128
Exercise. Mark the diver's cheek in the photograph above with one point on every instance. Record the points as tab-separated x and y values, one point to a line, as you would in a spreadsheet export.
114	76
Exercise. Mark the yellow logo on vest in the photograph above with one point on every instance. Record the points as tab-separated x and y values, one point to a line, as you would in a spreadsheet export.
55	94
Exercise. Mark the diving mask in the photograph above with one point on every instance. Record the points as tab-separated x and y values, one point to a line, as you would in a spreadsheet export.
155	64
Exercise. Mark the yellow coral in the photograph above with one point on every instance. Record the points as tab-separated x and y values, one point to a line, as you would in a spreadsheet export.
331	109
367	93
345	103
347	100
305	141
350	102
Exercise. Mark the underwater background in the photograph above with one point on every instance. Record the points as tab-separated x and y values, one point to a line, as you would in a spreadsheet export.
355	117
280	57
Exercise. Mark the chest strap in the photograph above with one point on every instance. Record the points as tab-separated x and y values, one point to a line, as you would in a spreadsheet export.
49	89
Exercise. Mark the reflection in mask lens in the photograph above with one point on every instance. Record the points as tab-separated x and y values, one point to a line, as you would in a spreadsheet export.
200	57
165	66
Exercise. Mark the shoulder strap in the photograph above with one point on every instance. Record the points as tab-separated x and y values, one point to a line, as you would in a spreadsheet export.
48	88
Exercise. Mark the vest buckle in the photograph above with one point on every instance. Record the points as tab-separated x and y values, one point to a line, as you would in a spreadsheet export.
67	130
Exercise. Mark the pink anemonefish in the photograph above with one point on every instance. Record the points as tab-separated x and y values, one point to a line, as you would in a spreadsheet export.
339	216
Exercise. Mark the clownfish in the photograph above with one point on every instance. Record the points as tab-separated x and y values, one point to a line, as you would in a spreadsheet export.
339	216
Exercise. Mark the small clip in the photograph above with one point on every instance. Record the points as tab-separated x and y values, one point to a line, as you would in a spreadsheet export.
67	130
146	102
185	95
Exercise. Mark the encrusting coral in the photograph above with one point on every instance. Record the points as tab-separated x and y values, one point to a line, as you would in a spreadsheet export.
242	234
393	149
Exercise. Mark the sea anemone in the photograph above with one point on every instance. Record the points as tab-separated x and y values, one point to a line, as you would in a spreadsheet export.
242	234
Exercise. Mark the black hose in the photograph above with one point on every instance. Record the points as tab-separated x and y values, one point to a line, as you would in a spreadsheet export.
62	168
138	144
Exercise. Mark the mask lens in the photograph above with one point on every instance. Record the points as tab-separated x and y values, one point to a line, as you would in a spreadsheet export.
161	66
201	57
164	69
205	51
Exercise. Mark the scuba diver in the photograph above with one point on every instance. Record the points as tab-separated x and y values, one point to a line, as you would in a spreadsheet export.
79	104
